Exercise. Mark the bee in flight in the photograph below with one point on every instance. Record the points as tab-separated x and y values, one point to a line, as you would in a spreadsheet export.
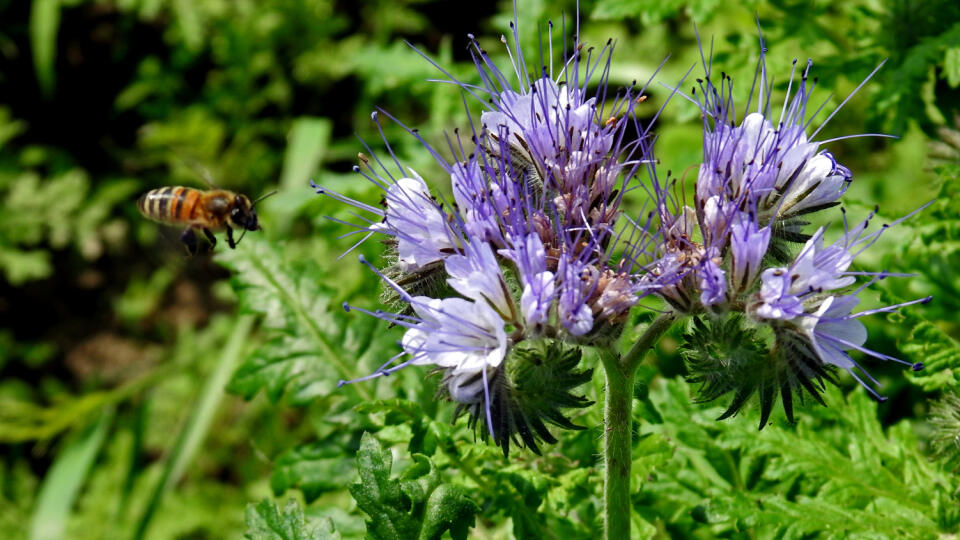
205	210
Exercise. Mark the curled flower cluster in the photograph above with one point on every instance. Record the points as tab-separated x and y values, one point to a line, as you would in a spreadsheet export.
758	181
527	253
533	258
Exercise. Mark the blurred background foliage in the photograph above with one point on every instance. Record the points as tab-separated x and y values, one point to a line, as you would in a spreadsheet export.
115	348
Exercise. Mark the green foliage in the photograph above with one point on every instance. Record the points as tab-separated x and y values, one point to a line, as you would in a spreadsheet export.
421	432
65	478
56	212
17	497
267	522
22	420
836	473
198	425
417	505
945	418
928	335
309	344
919	36
307	141
314	469
940	354
552	496
103	100
652	13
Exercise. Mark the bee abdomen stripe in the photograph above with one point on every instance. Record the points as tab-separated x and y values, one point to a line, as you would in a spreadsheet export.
163	201
152	203
190	204
142	204
181	195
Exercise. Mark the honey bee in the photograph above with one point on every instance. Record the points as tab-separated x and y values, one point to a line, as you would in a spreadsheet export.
204	210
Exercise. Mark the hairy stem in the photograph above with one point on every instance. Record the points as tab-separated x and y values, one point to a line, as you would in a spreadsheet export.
620	372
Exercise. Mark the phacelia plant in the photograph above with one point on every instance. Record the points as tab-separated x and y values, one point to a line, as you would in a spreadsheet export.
536	259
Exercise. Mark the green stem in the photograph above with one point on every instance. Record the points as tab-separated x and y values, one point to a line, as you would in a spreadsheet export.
649	338
199	422
616	450
620	372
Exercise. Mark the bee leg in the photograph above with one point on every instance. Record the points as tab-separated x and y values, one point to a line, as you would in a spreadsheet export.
210	237
230	241
189	239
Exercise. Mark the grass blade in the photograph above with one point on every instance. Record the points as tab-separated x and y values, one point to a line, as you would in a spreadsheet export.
306	144
197	426
44	23
65	478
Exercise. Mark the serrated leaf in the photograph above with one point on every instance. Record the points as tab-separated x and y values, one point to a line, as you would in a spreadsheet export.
449	508
282	363
314	469
402	412
313	344
940	355
417	505
837	473
651	452
265	521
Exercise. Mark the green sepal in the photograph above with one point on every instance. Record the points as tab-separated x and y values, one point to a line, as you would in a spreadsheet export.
529	393
725	355
786	233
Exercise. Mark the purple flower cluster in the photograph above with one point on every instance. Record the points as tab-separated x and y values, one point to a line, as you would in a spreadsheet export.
757	178
534	247
529	248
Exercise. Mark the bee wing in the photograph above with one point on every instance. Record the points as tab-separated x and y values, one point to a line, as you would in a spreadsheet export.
198	168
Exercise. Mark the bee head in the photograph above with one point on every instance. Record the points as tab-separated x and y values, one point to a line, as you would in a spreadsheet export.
243	215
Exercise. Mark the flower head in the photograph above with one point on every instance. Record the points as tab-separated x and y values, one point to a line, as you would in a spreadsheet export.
758	176
535	257
527	252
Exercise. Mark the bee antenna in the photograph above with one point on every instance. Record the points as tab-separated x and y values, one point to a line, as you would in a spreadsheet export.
262	197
